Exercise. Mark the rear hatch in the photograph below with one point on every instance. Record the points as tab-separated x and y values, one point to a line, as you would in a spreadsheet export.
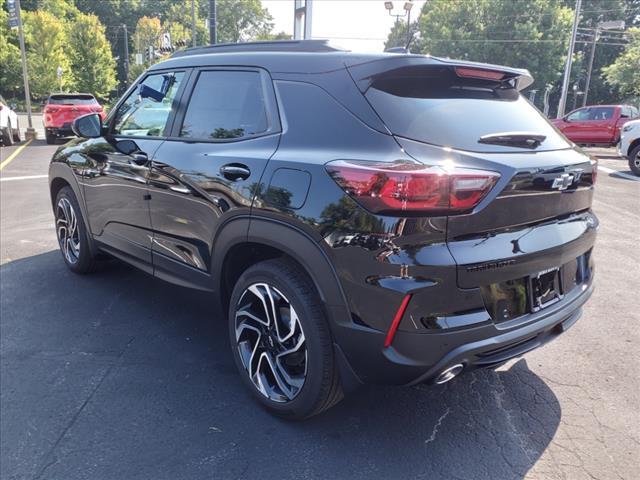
468	115
62	109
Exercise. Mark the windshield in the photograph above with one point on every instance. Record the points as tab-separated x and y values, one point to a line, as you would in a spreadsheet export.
454	114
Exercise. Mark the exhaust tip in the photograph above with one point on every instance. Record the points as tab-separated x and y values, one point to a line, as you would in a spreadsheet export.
449	374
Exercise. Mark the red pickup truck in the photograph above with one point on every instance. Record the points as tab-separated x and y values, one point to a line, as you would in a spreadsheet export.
597	125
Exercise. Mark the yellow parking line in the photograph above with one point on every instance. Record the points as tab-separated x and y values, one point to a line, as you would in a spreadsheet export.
14	155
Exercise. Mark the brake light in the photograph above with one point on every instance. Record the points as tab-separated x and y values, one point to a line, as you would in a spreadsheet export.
405	188
96	109
49	109
467	72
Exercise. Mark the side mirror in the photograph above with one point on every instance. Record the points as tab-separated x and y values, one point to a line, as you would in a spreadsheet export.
87	126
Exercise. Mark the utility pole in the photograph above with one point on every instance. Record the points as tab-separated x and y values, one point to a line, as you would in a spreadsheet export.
213	28
126	53
612	25
193	22
567	65
31	133
596	36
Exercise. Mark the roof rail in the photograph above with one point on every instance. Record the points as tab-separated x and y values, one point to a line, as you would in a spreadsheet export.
267	46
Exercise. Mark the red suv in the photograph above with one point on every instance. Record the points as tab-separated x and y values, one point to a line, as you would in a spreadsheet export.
61	109
598	125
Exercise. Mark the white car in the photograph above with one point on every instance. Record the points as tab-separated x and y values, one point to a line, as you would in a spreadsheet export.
9	128
629	145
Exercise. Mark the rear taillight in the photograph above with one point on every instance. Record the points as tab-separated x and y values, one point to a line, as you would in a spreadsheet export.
49	109
409	188
96	109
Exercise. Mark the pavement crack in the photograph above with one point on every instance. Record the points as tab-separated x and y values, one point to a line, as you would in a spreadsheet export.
434	433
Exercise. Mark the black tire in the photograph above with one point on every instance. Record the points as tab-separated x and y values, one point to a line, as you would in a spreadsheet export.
16	134
321	386
7	135
51	139
81	260
634	160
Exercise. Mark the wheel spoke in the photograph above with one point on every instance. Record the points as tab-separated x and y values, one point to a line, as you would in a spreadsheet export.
271	342
67	230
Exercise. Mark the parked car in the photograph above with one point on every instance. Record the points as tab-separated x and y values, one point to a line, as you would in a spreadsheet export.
9	125
61	109
361	217
629	145
596	125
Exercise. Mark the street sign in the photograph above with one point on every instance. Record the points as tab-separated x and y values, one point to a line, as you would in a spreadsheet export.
14	16
165	40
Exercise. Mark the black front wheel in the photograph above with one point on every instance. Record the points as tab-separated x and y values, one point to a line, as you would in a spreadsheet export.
7	135
634	160
72	234
281	341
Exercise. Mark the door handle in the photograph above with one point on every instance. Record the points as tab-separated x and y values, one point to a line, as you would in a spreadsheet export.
235	171
180	189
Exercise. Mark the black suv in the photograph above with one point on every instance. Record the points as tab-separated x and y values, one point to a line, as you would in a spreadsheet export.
388	218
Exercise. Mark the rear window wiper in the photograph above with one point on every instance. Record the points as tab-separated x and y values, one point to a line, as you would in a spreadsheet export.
514	139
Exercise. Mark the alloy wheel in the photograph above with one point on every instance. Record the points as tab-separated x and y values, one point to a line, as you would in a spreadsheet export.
636	161
67	229
271	342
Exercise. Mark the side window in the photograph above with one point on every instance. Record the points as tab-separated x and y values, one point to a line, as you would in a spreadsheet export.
145	112
579	115
625	112
226	104
601	113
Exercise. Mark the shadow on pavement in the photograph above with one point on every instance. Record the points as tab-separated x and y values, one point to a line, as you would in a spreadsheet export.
117	375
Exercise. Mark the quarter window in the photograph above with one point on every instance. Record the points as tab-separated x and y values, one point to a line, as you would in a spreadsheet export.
146	111
226	105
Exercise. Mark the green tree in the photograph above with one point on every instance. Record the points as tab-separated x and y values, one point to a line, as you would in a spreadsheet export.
92	63
46	41
63	9
242	21
11	70
531	34
624	73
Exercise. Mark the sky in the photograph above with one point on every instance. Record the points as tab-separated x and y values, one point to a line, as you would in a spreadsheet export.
358	25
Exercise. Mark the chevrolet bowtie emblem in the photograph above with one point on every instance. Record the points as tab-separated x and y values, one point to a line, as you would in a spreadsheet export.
563	182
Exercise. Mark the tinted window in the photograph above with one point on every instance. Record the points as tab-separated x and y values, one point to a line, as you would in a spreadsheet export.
71	100
146	116
226	105
579	115
592	114
447	111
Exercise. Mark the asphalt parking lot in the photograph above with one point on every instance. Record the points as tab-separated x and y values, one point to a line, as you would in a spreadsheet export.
117	375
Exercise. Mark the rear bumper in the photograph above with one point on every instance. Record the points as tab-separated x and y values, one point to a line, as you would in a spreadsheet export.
458	312
420	357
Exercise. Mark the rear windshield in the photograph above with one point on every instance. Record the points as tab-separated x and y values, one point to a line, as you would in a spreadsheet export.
455	113
71	100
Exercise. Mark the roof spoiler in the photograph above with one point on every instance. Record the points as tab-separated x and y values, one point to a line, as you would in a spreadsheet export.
365	73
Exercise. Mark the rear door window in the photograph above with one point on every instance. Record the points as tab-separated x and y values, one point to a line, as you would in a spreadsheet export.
441	109
226	105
